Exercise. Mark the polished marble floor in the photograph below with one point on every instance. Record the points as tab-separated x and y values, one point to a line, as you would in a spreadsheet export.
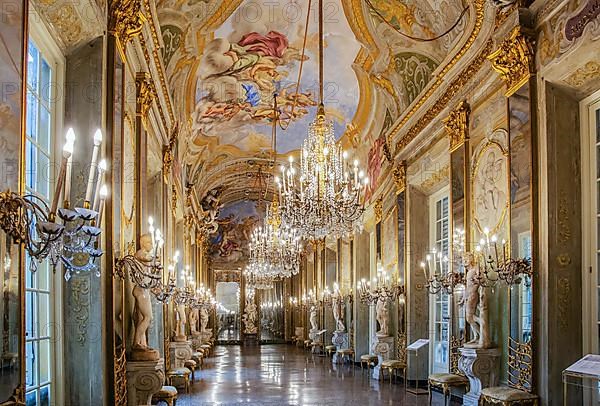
281	375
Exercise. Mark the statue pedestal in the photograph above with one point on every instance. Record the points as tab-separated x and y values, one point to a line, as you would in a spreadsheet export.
383	347
196	341
341	341
205	336
482	367
250	340
181	351
144	379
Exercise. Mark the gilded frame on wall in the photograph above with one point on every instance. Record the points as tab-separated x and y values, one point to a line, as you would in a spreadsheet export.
490	194
389	237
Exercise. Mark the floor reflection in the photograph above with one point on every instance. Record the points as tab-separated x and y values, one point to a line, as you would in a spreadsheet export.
285	375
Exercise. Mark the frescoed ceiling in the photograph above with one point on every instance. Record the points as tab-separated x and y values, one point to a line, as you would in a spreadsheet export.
226	59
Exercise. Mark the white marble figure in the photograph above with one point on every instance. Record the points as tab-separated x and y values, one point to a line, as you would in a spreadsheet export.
180	322
142	316
203	320
382	315
475	299
193	317
313	319
249	318
337	305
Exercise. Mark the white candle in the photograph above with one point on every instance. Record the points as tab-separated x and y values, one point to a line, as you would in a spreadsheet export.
68	146
103	194
90	182
101	171
67	152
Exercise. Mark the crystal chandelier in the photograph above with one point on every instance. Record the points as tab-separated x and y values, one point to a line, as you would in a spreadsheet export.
275	248
259	276
324	198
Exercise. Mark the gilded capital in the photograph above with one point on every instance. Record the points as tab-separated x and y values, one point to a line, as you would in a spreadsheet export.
514	60
126	19
399	174
378	210
145	93
457	125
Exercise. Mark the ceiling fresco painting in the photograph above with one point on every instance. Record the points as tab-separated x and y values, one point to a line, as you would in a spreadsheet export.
229	245
255	54
225	60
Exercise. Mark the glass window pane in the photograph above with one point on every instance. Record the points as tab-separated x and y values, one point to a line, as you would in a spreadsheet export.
32	65
46	83
43	275
43	186
44	313
30	315
44	361
44	129
45	396
32	116
31	165
31	398
31	368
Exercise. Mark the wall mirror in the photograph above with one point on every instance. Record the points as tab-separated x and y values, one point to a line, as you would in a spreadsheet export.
401	266
228	311
520	370
459	164
272	314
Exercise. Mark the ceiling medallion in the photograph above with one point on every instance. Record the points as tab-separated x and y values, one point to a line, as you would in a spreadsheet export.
323	198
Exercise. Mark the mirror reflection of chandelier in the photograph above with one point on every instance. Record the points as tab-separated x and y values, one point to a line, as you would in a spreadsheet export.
324	198
275	249
258	276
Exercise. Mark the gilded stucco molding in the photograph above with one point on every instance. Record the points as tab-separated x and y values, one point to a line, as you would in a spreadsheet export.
457	125
514	60
145	93
169	155
378	209
453	89
443	174
479	8
126	19
399	174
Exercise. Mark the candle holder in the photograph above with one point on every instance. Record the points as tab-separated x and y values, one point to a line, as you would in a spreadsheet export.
74	241
381	288
438	276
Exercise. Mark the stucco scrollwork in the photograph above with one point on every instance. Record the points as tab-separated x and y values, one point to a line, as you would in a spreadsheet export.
457	125
513	60
80	302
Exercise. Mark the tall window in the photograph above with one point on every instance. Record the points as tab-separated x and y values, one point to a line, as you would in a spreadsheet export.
440	303
590	141
42	101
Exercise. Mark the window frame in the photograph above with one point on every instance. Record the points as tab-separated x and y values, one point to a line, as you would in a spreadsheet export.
41	37
434	198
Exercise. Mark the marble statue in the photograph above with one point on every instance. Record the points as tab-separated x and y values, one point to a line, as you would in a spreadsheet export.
475	300
382	315
249	318
337	305
180	322
203	320
313	318
193	317
142	316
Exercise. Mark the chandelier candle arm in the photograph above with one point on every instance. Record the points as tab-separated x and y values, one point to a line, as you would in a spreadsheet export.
99	181
62	174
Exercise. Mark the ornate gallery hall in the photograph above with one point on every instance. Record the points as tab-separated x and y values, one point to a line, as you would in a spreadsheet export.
300	202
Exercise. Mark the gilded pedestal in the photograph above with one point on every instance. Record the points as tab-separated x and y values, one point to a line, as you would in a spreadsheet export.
482	368
341	341
181	351
383	347
144	378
